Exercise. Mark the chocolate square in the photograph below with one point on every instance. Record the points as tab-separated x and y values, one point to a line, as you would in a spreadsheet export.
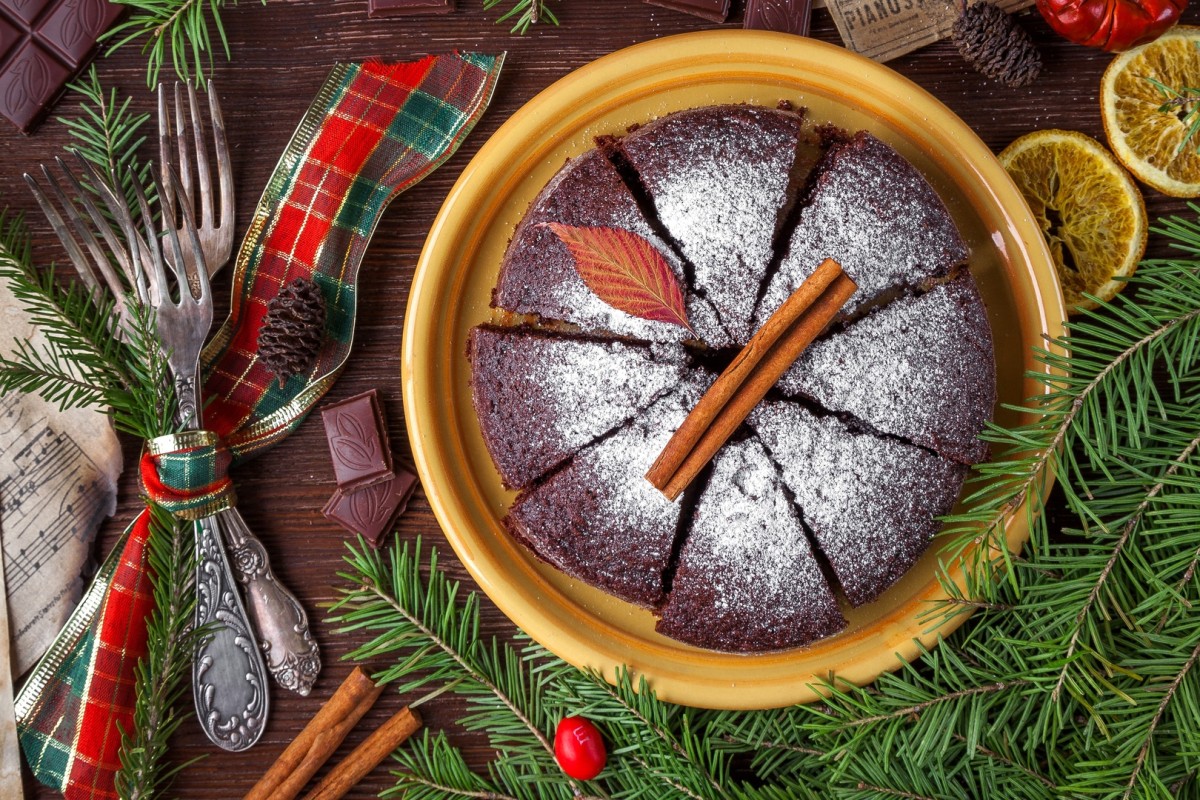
9	36
407	8
358	441
24	10
371	511
784	16
29	83
73	26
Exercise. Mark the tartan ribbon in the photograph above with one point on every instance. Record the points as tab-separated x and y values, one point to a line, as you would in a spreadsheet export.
188	474
373	131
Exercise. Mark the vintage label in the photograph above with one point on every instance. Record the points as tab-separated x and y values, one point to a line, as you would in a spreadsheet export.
885	29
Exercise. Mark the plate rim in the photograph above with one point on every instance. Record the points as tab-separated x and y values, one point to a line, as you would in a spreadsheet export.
771	50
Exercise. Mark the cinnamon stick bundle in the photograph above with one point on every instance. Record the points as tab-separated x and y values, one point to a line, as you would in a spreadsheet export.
319	739
746	381
367	756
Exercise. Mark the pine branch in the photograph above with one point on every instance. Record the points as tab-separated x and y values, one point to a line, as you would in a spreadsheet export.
178	32
524	13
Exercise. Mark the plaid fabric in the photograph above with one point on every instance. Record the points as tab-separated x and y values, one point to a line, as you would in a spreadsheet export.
373	131
188	474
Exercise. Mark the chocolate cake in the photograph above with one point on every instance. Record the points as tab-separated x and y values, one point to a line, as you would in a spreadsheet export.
542	396
835	484
747	578
871	503
876	215
921	368
598	519
721	180
538	273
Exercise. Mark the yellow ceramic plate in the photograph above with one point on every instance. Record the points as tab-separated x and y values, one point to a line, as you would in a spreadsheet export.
458	269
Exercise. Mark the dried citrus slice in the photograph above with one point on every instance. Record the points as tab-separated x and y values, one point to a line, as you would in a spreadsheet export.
1148	139
1090	210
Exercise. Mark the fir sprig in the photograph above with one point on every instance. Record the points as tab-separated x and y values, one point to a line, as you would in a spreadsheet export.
523	13
180	33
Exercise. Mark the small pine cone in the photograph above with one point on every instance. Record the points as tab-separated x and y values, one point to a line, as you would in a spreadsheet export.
293	329
992	42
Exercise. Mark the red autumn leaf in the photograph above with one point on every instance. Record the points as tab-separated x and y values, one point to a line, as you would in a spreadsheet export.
625	271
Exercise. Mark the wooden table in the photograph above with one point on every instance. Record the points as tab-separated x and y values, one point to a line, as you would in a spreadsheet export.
281	53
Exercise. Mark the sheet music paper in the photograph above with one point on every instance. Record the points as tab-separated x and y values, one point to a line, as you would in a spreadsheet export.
58	474
10	752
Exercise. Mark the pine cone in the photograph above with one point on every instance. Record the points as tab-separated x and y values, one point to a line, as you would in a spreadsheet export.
992	42
292	330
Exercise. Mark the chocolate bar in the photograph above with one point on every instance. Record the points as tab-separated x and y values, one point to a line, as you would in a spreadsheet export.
358	441
711	10
407	8
42	44
371	511
785	16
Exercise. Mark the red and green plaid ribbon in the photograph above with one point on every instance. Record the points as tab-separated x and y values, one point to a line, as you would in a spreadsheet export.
373	131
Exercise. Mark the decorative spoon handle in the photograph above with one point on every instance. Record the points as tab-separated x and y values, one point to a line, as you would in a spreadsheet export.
278	618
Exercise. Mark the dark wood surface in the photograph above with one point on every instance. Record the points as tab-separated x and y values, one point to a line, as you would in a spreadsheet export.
281	52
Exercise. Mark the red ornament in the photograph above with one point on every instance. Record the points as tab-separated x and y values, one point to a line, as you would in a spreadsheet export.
579	748
1111	25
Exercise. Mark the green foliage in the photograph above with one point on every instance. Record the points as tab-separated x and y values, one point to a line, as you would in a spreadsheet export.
180	33
108	134
1077	676
523	13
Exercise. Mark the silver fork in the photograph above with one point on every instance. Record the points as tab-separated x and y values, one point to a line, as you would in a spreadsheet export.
279	619
229	677
216	239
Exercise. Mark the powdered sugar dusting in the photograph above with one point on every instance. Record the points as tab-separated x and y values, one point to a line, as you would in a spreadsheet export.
599	519
878	217
719	180
538	275
541	397
747	577
920	368
871	503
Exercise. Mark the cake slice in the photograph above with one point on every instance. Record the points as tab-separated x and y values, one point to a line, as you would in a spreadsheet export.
598	519
921	368
876	215
537	274
542	396
747	579
871	503
722	180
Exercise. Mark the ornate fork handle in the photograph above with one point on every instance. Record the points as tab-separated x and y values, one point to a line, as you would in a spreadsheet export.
279	619
229	678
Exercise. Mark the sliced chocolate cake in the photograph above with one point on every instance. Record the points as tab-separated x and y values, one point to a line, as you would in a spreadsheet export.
876	215
542	396
747	578
598	519
537	275
921	368
871	503
721	180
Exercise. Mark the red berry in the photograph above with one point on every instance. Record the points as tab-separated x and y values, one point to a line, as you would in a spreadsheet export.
579	748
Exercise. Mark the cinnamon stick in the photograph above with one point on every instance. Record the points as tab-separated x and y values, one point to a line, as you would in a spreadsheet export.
367	756
319	739
746	381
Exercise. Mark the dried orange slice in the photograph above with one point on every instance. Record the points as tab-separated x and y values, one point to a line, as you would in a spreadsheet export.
1089	209
1147	100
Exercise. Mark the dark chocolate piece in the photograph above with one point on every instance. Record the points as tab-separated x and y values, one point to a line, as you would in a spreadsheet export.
784	16
407	8
711	10
42	44
358	441
371	511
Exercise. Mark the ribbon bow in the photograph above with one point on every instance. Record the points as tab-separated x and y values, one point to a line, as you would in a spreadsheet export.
373	131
